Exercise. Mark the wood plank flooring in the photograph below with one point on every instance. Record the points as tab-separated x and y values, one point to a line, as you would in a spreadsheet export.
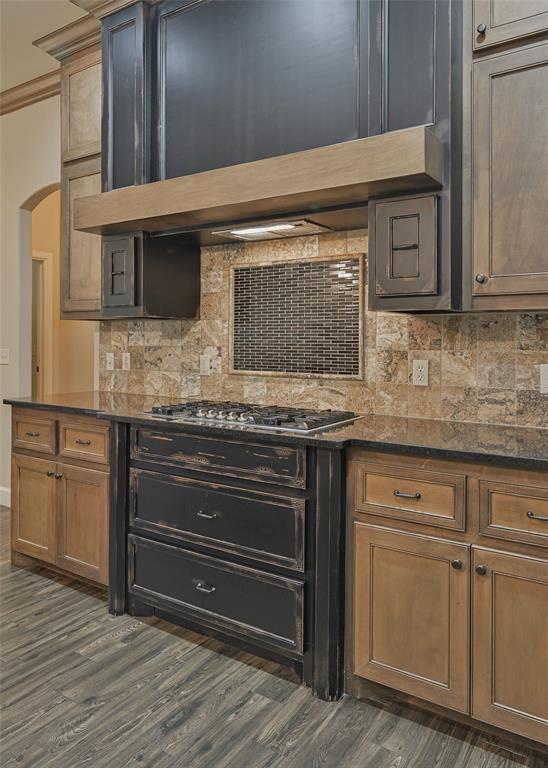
82	689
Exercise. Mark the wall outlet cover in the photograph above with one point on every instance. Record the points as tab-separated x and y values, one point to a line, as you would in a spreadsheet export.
110	361
4	357
544	379
126	361
420	373
205	365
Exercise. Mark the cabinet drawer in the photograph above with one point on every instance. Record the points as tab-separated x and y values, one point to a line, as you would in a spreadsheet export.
254	461
431	498
515	512
253	524
248	602
34	432
82	441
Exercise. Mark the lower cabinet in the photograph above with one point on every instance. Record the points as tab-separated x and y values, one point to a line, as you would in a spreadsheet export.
510	642
82	541
33	507
411	609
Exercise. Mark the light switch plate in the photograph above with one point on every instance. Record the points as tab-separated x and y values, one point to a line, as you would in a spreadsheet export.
4	357
110	361
126	361
420	373
544	379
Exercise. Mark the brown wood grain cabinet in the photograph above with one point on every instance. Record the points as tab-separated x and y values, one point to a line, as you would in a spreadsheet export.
411	613
510	179
80	251
60	503
81	105
503	21
510	642
454	619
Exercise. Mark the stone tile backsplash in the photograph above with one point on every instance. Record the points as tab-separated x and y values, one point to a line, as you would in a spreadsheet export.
482	367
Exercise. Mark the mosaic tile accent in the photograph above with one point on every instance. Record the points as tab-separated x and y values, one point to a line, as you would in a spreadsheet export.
483	367
299	317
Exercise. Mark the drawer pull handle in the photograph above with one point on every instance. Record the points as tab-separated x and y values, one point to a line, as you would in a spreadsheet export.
541	518
50	473
58	476
457	564
401	495
82	442
202	587
32	434
206	515
407	247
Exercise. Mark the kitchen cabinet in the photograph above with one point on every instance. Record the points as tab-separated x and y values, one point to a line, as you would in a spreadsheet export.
411	588
82	522
411	605
60	504
33	530
81	105
80	251
510	179
503	21
510	649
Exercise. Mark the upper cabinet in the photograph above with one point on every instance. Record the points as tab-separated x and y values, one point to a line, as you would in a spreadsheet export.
510	179
81	105
503	21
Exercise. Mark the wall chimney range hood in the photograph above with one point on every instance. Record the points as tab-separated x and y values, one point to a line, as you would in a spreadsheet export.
289	186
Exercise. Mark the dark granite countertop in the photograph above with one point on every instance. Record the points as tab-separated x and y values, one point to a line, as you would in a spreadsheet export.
518	446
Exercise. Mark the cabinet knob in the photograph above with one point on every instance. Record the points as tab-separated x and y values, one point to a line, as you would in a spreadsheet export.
456	564
481	278
58	475
481	28
481	570
50	473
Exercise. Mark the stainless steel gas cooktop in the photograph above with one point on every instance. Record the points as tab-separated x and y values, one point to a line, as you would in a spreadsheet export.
271	417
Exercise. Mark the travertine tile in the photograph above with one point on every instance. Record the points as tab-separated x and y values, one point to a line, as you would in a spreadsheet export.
460	332
497	330
424	402
532	331
458	368
136	332
333	244
425	332
357	241
497	406
391	399
531	408
392	366
392	331
497	367
459	403
528	369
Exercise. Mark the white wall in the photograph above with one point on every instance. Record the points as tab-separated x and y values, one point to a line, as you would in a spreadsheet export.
29	162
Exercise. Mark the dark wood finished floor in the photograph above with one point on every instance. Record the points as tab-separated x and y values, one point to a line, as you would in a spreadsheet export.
83	689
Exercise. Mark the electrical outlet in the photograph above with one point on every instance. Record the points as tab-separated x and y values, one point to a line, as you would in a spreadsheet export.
205	365
544	379
110	361
420	373
126	361
4	357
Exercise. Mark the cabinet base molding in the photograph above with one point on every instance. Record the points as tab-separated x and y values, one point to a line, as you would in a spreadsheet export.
381	695
20	560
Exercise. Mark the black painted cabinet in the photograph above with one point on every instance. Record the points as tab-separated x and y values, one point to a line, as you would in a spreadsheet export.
147	276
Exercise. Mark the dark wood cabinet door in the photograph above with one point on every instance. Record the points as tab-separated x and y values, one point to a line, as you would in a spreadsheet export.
82	527
126	96
510	175
241	81
411	602
119	271
33	507
403	253
510	642
500	21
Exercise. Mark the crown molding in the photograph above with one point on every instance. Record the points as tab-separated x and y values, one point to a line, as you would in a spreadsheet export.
100	8
72	38
39	89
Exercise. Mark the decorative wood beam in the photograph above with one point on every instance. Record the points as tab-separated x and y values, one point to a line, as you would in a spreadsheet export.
340	174
72	38
100	8
39	89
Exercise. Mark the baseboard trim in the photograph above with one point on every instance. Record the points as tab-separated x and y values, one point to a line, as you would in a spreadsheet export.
5	496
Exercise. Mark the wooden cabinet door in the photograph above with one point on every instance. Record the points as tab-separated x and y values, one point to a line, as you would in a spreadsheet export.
81	106
411	604
80	251
510	642
33	507
82	535
510	174
506	20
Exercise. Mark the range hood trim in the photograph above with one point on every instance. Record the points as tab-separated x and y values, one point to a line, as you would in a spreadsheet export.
409	160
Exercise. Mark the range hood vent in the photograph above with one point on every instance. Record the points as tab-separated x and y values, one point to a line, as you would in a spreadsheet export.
273	230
